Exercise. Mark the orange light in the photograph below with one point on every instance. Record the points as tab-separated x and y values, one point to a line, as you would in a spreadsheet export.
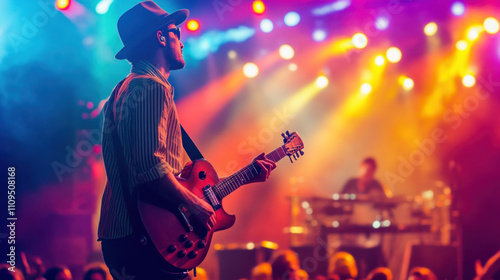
63	4
258	7
192	25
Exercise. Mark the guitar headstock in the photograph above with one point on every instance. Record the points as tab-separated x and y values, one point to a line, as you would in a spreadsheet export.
293	145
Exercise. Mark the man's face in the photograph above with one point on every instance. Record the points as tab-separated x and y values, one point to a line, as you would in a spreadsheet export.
366	172
173	50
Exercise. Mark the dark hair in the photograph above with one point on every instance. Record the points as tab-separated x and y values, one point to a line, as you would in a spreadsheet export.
371	161
52	272
379	276
6	274
89	272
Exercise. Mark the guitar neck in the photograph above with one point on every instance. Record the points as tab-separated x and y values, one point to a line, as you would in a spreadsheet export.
244	175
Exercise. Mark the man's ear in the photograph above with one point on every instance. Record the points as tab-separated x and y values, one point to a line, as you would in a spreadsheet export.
161	38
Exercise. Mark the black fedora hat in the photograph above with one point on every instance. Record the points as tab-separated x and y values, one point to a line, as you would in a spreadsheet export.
142	20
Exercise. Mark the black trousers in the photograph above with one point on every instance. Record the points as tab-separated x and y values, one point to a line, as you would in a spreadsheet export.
128	259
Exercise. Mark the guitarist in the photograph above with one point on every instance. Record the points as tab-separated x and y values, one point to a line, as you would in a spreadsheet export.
142	143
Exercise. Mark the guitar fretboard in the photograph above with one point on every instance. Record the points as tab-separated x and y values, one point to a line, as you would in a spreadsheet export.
244	175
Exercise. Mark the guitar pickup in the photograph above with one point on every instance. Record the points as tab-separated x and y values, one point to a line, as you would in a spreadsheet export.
209	194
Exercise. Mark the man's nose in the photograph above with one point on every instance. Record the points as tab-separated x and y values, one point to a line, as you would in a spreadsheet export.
182	45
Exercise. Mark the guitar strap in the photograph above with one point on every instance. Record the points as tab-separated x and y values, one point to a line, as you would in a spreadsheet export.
189	146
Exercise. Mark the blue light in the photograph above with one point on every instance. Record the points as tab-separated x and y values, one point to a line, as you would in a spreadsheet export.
266	25
103	6
382	23
319	35
458	8
200	47
332	7
292	19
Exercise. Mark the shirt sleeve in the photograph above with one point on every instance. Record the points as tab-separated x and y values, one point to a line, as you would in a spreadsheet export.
148	132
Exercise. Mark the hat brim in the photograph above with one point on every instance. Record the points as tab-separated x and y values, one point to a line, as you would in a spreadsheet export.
176	18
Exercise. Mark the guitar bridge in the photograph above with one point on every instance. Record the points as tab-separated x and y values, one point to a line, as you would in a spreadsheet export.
209	194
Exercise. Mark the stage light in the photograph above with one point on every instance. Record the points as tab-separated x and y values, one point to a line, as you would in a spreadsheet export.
63	4
386	223
336	196
408	83
250	246
266	25
250	70
232	54
393	54
491	25
286	52
319	35
366	88
321	82
335	224
258	7
379	60
468	81
376	224
305	204
192	25
430	29
462	45
458	8
292	67
199	47
330	8
103	6
381	23
473	32
292	19
359	40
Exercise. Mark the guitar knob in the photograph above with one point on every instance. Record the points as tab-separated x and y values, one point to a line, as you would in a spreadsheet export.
181	254
171	248
201	244
189	244
183	237
192	254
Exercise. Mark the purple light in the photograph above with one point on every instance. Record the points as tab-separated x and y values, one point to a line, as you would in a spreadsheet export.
382	23
458	8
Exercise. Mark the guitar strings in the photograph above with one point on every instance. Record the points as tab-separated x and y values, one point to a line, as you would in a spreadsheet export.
225	187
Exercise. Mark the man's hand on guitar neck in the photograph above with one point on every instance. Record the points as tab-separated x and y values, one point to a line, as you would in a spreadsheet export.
265	165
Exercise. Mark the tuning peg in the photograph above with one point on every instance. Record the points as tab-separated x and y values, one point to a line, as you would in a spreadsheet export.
297	154
294	157
288	133
301	152
290	157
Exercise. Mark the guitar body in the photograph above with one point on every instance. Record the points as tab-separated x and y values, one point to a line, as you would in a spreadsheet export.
167	229
175	232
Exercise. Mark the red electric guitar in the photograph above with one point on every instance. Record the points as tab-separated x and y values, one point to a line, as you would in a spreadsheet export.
175	234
